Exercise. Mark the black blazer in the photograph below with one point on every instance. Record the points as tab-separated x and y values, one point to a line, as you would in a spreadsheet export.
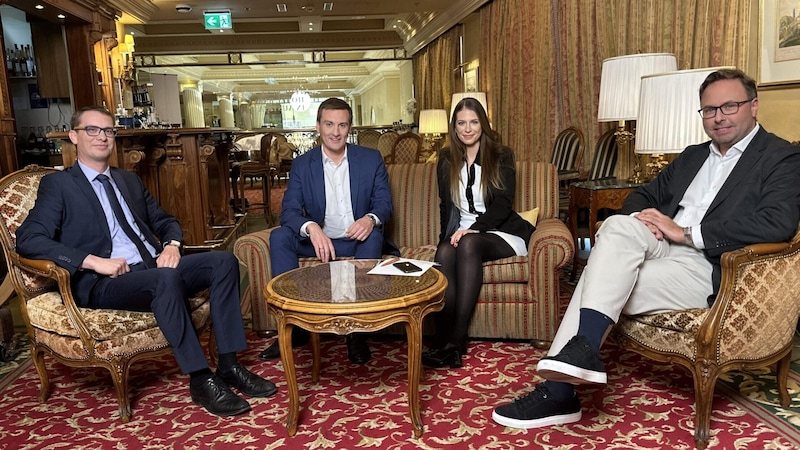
67	223
499	214
759	202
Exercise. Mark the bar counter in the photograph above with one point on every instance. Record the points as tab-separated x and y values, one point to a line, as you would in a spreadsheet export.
188	173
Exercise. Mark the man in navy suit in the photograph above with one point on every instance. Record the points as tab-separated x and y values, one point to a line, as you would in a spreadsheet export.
335	204
662	253
123	252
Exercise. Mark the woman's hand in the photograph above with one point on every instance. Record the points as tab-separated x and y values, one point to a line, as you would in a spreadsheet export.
458	235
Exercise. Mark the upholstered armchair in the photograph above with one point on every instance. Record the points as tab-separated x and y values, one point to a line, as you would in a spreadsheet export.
74	336
750	325
567	156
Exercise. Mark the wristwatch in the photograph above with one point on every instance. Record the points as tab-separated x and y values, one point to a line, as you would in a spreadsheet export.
373	219
173	243
687	236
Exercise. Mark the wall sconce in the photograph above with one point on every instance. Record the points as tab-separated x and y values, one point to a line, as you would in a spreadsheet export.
668	121
620	81
432	125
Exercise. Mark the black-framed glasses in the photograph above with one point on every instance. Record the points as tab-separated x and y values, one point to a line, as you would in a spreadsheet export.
726	109
93	131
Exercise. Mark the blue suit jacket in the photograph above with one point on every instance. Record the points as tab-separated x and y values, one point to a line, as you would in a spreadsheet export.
759	202
304	199
67	223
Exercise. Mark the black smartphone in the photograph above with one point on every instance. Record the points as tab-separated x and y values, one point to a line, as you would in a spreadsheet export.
407	267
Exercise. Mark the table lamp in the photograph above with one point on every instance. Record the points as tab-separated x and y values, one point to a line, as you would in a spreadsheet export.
619	95
667	120
458	96
432	125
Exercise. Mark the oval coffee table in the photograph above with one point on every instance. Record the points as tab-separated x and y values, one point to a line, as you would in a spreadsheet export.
341	297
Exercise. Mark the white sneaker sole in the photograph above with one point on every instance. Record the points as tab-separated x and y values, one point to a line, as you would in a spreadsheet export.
562	419
566	373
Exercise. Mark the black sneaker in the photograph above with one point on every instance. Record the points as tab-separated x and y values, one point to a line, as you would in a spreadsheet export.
538	409
577	363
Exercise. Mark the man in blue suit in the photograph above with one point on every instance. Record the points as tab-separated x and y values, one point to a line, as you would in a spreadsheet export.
662	253
123	252
335	204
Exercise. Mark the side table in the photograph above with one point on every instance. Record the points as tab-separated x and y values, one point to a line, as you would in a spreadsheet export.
594	195
341	297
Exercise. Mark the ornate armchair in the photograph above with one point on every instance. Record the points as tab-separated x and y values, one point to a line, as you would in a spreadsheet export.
385	144
750	325
74	336
368	138
406	149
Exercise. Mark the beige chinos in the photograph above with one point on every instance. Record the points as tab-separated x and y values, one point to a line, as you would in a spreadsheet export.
631	272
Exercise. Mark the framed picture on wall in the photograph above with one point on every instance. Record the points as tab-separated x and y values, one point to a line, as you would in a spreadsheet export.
779	42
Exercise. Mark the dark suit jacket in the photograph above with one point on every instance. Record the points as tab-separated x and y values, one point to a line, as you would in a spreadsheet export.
499	214
67	223
759	202
304	199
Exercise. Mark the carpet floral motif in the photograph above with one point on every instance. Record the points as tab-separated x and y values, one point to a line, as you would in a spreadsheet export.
644	406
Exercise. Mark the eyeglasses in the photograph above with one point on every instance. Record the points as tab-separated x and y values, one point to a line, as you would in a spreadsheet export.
727	109
93	131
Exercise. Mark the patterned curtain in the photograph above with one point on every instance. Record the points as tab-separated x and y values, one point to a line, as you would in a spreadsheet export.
433	71
541	59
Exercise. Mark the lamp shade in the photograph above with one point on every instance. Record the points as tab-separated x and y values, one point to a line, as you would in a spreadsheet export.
668	120
432	121
620	80
457	97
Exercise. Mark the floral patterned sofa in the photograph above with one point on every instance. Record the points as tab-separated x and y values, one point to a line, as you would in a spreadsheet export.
519	298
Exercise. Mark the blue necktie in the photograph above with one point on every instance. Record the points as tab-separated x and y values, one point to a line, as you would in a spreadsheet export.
147	258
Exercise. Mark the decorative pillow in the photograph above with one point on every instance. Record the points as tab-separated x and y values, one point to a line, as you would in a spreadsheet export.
531	215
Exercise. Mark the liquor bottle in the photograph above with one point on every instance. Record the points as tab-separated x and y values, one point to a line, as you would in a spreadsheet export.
18	68
9	63
29	60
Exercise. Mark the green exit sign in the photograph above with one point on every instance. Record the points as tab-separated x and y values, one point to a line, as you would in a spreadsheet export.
217	20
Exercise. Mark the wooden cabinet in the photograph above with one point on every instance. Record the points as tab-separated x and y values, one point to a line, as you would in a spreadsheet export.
52	66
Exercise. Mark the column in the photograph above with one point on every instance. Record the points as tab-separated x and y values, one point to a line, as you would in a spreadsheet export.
226	113
193	106
246	116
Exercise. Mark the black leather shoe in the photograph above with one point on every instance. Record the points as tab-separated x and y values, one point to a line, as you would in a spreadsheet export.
247	382
449	355
357	350
217	398
299	339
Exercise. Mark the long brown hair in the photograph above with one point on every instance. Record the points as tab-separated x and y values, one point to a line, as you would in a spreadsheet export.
489	151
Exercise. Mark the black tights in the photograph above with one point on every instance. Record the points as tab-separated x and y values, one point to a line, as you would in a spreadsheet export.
463	268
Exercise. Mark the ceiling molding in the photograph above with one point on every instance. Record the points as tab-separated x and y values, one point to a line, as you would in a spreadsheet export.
441	23
139	10
265	42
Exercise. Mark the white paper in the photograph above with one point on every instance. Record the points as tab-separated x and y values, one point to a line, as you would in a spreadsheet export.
386	267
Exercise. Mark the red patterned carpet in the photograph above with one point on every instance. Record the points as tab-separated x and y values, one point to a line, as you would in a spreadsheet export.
644	406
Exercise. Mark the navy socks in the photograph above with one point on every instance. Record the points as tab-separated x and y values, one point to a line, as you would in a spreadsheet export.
593	326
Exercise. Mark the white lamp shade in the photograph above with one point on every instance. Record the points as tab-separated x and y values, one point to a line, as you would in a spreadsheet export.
432	121
668	120
620	80
457	97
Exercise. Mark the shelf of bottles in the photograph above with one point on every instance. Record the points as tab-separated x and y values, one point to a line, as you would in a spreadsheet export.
141	96
20	62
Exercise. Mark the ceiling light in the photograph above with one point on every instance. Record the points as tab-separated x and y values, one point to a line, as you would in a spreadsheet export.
281	7
61	16
327	6
39	7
